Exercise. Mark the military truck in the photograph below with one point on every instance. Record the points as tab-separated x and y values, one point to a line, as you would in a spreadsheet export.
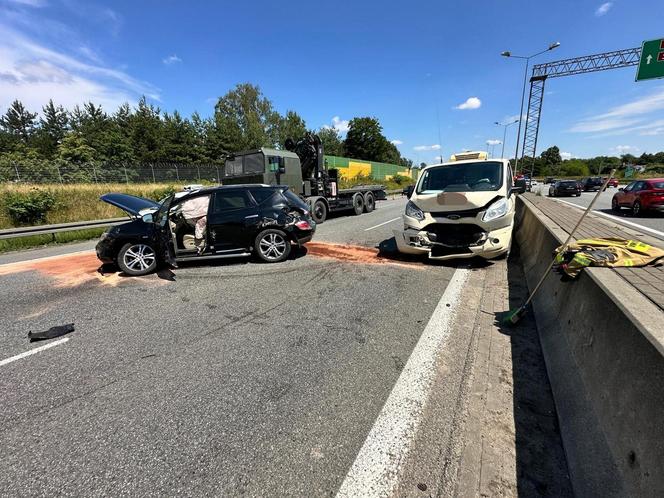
302	167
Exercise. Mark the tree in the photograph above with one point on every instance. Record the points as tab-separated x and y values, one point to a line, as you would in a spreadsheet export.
244	119
146	132
291	126
18	122
74	149
53	126
365	140
551	156
332	143
179	140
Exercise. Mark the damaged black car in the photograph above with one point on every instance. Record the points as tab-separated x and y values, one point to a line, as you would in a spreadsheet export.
264	221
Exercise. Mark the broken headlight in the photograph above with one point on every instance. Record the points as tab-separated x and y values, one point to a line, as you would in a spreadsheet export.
413	211
496	210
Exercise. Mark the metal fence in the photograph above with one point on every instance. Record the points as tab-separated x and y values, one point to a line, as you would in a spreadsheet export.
54	172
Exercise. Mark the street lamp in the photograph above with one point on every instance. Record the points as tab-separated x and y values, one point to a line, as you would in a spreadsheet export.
507	53
502	152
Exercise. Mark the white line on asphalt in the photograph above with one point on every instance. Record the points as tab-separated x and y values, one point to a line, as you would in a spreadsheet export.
384	223
617	219
33	351
376	469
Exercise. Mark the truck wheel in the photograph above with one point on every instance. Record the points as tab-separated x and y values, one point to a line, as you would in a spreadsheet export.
137	259
369	202
319	211
358	203
272	246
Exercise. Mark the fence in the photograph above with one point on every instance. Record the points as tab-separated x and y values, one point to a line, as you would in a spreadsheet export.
54	172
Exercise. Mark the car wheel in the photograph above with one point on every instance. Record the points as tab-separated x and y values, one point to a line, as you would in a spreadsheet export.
636	208
614	205
369	202
358	203
319	211
137	259
272	246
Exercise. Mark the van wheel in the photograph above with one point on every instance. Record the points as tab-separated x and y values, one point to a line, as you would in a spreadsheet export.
272	246
137	259
369	202
319	211
358	204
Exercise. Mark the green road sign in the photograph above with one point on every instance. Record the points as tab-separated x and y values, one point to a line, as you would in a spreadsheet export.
651	65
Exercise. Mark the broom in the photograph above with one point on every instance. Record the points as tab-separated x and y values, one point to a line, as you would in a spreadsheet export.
513	317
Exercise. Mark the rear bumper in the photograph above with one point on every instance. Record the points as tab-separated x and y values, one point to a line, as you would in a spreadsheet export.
412	241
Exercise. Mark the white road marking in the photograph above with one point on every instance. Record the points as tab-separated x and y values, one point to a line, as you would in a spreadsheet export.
384	223
617	219
379	462
33	351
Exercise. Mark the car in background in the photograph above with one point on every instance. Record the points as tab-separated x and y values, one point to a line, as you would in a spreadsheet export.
564	187
591	184
242	220
549	179
613	182
639	196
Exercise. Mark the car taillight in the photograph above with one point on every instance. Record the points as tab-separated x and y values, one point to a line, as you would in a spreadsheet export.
303	225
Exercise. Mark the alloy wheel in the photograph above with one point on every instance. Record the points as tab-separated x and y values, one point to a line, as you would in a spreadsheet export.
272	246
139	257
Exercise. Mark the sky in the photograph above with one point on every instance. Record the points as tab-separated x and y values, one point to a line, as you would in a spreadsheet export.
430	71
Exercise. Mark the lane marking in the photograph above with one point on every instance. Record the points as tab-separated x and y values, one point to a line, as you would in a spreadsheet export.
379	462
384	223
617	219
34	351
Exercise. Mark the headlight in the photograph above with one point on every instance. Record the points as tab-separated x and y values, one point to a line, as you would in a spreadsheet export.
496	210
413	211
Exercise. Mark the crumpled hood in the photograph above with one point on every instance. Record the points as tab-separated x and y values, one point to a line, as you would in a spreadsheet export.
454	201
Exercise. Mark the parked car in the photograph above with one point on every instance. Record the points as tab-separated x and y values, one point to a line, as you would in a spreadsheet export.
241	220
591	184
613	182
564	187
549	179
641	195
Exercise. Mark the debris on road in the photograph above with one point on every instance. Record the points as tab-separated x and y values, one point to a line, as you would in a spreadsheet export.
51	333
608	252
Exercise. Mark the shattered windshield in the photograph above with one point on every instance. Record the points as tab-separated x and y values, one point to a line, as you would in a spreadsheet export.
462	177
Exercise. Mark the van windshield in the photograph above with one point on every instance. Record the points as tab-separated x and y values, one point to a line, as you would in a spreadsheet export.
462	177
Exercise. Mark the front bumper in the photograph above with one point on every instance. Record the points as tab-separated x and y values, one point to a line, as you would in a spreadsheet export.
496	243
105	251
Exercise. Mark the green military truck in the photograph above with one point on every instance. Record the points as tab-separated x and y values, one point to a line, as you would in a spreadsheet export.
302	167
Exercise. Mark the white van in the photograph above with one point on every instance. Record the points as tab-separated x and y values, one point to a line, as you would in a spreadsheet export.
460	209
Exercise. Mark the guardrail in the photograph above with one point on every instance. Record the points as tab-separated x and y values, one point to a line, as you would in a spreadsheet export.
12	233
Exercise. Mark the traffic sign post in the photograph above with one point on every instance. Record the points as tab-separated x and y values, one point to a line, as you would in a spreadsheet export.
651	65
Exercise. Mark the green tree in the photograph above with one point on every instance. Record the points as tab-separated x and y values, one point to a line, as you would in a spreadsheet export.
332	143
365	140
74	149
18	122
179	140
551	156
291	126
53	126
146	128
245	119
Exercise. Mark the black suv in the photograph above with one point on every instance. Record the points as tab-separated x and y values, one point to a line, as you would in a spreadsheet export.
241	220
591	183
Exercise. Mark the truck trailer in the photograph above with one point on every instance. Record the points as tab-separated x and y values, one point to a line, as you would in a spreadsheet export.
302	167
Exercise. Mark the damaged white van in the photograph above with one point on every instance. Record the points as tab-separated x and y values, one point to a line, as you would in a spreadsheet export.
460	209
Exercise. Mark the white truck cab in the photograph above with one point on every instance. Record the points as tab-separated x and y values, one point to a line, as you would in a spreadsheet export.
460	209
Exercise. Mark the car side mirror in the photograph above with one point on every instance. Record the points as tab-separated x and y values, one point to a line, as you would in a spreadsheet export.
147	218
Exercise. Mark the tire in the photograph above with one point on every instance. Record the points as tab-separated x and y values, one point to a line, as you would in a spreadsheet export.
369	202
319	210
636	208
615	207
137	258
272	246
358	204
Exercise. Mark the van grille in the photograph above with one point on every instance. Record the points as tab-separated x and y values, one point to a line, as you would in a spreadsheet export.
456	235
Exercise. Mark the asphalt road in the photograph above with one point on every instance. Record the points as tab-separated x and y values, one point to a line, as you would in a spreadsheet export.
652	221
224	379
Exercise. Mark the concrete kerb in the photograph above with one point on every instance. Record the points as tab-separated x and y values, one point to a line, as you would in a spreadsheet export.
603	345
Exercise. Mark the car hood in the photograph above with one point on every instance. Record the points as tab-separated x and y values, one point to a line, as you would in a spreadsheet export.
454	201
132	205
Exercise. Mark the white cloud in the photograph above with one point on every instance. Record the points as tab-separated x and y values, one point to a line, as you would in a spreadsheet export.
603	9
420	148
341	125
624	149
470	103
32	72
171	59
494	142
29	3
566	155
624	116
396	142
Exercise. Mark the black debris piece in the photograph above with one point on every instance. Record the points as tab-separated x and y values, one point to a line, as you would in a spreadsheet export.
51	333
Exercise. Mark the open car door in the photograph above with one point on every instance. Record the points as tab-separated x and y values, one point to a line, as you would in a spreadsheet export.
163	238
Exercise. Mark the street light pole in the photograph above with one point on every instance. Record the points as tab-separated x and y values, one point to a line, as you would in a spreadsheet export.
507	53
502	152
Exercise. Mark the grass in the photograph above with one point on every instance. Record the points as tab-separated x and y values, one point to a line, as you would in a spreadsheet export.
48	239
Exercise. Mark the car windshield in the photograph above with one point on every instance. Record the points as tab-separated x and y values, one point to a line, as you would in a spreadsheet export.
462	177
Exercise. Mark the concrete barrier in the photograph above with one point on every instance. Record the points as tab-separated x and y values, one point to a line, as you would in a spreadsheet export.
603	345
